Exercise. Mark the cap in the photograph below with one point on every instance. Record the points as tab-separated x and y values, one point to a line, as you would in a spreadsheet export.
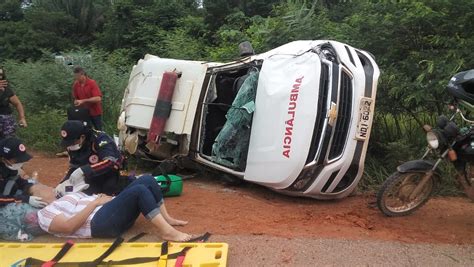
71	132
13	148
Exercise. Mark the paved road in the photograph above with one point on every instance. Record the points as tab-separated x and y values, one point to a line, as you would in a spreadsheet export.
274	251
263	250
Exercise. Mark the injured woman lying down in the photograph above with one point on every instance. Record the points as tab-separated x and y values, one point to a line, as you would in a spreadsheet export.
82	216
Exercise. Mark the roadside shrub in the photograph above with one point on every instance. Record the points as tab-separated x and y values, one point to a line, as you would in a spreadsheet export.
42	133
45	89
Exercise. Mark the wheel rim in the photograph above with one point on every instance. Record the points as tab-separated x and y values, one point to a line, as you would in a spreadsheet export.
398	200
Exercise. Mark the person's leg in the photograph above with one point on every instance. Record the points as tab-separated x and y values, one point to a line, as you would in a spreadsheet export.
8	126
93	122
169	219
168	232
150	182
2	130
97	122
118	215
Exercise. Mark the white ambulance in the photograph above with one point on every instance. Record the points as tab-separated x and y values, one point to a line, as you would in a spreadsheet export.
296	119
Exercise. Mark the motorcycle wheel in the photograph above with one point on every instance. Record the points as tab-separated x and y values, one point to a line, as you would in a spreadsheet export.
393	198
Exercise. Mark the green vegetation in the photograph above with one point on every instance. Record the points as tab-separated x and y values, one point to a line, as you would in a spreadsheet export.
45	86
418	45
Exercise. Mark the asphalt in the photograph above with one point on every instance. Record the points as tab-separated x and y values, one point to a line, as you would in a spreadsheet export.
274	251
265	250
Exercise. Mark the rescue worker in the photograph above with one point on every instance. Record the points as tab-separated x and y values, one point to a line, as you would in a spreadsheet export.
13	188
94	160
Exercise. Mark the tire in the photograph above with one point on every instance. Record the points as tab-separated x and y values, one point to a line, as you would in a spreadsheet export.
392	182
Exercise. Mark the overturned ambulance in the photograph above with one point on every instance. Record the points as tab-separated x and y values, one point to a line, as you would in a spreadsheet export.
296	119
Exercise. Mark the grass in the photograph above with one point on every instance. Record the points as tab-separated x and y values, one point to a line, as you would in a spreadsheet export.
43	131
396	139
377	170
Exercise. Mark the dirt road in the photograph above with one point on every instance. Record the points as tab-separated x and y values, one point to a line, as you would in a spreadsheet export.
280	230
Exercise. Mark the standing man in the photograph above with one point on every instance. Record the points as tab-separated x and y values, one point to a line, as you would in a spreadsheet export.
95	160
13	188
87	95
8	98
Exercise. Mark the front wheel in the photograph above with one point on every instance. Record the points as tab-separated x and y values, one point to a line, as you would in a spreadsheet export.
403	193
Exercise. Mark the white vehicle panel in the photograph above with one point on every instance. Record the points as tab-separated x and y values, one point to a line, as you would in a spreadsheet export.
279	140
143	89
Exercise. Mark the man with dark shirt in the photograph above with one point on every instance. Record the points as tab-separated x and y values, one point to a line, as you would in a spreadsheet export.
7	98
13	188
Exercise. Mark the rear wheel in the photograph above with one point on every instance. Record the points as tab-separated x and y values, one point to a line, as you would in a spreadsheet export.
398	196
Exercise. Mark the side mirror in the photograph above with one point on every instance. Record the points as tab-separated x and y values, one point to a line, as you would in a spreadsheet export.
246	49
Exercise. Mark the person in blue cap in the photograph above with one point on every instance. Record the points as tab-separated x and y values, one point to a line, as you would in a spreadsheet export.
13	188
94	159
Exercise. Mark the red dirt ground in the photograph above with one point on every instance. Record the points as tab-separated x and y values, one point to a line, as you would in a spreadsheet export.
250	209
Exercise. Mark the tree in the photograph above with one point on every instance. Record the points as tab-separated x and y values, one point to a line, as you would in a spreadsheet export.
142	29
10	10
88	15
218	10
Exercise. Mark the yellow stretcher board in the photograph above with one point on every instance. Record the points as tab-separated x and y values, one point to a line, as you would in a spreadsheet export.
200	255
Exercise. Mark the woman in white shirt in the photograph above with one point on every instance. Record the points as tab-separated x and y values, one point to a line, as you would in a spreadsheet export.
82	216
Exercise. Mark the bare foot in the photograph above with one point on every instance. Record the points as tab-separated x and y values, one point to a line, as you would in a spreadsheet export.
167	231
175	222
178	237
172	221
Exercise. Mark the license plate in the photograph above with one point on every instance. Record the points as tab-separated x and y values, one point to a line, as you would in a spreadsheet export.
365	118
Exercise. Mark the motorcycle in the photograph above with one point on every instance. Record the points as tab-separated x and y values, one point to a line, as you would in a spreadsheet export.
414	182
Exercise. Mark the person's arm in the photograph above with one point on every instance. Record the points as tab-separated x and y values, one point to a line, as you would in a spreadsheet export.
19	107
5	200
96	95
3	84
63	225
109	158
23	185
94	99
74	92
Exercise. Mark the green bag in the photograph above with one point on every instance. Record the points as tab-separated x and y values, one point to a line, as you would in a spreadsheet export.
172	185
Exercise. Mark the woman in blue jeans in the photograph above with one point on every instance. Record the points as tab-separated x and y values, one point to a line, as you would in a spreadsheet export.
82	216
